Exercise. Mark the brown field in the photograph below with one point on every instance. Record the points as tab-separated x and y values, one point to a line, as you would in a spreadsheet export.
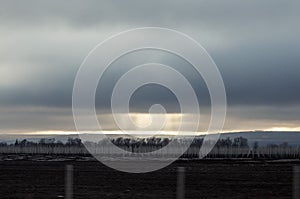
204	179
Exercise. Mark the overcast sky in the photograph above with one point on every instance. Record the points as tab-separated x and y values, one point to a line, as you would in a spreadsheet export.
255	44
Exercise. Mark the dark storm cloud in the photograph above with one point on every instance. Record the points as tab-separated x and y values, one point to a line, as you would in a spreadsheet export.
261	78
262	73
255	44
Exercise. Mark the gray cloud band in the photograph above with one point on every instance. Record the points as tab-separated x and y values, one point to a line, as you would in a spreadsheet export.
104	54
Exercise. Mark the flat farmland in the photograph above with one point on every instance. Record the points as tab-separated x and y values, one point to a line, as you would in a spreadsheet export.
203	179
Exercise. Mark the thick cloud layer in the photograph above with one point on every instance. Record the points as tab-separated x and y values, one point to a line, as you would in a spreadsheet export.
255	44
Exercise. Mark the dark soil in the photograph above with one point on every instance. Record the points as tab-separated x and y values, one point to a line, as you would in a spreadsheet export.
204	179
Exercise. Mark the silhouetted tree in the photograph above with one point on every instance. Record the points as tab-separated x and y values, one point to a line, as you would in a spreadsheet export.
255	146
240	142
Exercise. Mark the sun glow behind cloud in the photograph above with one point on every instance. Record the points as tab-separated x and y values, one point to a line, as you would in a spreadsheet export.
150	133
172	122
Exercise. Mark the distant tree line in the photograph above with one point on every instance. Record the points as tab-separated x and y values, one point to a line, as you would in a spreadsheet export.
135	142
45	142
237	147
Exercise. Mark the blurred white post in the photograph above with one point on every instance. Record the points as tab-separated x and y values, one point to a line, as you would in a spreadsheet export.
180	182
69	182
296	184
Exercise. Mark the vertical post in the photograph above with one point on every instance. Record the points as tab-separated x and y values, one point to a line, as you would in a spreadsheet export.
69	182
296	183
180	182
